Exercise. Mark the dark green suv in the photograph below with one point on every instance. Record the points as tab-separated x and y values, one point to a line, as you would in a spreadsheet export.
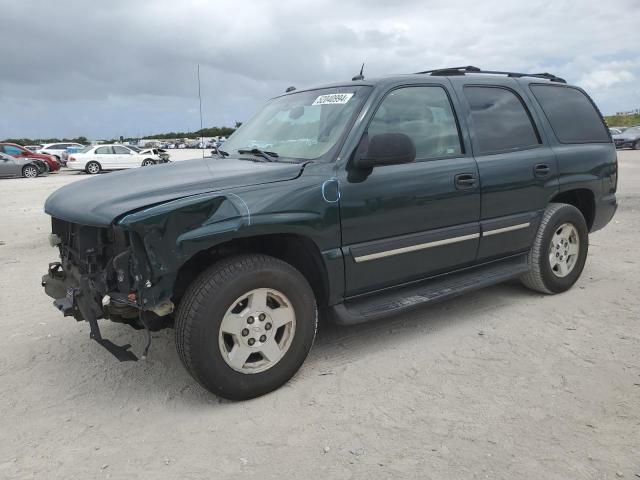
358	200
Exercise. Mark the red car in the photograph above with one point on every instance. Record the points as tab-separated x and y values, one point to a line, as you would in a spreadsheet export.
19	151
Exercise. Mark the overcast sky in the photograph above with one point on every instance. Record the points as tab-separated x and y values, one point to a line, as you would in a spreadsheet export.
113	67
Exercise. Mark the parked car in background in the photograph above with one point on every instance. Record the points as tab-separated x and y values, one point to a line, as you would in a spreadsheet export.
33	148
630	138
96	158
20	167
65	155
18	151
615	131
57	149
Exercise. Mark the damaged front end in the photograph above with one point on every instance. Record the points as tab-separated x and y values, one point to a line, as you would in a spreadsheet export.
98	277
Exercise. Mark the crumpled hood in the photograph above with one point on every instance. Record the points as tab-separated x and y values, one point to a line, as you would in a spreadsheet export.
99	200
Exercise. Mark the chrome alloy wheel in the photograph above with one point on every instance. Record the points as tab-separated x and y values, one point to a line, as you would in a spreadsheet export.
30	171
257	330
93	168
564	250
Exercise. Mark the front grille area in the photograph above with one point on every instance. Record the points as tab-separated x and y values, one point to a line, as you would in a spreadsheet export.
87	248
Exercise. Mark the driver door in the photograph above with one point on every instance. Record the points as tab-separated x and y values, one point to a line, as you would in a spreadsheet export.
410	221
7	166
124	158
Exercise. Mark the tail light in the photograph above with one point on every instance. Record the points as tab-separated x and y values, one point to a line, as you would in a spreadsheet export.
71	159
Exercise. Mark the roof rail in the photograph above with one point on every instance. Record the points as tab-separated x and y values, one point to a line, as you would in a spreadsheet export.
451	71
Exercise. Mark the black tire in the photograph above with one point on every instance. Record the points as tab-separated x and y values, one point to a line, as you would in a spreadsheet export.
147	162
93	167
636	146
206	301
541	277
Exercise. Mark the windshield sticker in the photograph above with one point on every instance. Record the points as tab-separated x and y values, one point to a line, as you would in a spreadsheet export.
333	99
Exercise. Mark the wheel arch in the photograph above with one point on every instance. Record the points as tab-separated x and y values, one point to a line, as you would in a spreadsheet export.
299	251
581	198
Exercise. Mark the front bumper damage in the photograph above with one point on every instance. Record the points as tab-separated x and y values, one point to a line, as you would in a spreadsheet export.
98	277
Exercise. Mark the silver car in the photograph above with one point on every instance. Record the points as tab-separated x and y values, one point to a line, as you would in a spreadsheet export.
20	167
630	138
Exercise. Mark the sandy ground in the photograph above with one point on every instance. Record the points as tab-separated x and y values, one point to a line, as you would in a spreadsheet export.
500	384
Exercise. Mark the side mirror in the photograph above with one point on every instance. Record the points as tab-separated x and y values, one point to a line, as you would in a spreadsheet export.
387	149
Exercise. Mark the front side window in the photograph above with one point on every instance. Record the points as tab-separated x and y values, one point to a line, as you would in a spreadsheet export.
572	116
121	150
11	150
425	115
305	125
499	120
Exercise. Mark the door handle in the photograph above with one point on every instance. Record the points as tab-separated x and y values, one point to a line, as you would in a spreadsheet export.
541	170
465	181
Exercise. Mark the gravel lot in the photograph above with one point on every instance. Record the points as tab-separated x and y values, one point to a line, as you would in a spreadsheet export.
500	384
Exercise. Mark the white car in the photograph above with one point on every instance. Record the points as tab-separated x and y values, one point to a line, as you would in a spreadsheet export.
57	149
97	158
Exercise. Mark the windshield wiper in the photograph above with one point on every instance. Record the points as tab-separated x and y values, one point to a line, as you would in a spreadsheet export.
268	156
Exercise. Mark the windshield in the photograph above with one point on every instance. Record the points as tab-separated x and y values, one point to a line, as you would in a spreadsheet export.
632	130
304	125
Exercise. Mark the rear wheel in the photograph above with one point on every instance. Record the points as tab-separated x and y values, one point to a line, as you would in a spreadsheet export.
559	250
636	146
93	167
147	162
245	326
30	171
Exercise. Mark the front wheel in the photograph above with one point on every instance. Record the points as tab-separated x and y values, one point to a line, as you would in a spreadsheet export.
30	171
147	162
636	146
93	168
245	325
559	250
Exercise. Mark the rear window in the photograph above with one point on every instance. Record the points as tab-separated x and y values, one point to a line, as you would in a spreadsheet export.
571	113
501	122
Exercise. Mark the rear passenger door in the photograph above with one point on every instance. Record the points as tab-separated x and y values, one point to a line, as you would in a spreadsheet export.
518	170
106	157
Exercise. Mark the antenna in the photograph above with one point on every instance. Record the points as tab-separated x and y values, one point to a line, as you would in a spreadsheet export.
360	76
200	100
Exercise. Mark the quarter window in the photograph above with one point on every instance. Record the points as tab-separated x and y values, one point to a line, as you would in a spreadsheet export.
572	116
500	120
425	115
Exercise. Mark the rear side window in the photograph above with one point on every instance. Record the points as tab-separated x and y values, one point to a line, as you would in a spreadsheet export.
500	120
104	151
424	114
572	116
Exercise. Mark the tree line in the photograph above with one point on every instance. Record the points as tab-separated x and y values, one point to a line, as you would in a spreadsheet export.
205	132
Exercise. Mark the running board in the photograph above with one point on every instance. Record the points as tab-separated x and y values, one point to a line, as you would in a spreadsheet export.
388	302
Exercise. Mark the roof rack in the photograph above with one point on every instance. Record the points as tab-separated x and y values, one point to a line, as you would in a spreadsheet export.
452	71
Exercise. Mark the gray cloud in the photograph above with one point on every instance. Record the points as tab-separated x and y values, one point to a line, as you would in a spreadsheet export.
113	68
